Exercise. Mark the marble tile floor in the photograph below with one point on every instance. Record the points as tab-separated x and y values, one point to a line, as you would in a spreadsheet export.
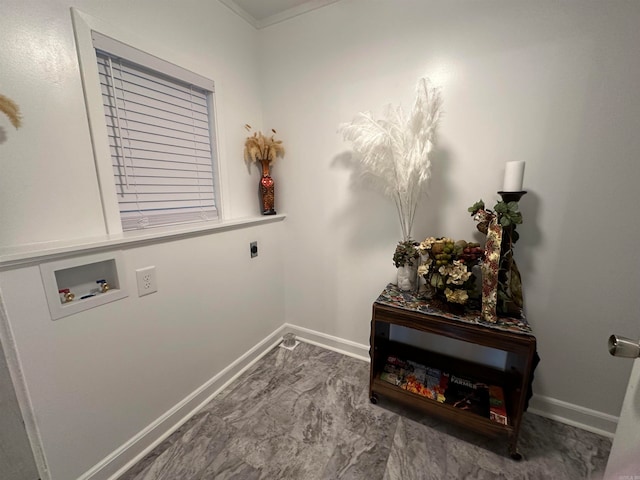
305	414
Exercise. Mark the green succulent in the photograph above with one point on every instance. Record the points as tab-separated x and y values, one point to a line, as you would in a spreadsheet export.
406	253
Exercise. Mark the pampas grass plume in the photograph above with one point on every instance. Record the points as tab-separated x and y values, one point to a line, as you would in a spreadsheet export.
11	110
393	151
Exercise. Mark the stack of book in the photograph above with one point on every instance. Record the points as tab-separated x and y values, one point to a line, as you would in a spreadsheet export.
463	393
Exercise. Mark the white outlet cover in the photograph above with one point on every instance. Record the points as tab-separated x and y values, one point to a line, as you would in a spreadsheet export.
147	281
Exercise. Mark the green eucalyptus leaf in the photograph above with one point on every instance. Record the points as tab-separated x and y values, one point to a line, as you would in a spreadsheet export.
475	207
501	207
516	217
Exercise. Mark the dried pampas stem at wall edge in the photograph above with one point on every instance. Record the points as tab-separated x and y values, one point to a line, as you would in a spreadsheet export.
11	110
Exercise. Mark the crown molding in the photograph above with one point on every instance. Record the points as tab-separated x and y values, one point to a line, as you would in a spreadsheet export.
241	12
292	12
277	17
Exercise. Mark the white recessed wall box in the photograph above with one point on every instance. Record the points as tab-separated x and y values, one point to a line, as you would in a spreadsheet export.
76	284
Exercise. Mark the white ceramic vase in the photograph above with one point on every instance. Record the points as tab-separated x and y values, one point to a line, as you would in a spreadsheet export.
408	277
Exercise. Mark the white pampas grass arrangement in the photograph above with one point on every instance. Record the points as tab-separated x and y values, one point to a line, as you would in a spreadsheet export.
394	151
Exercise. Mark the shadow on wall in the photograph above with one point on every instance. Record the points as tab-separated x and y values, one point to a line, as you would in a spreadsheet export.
531	236
3	135
364	210
429	215
367	204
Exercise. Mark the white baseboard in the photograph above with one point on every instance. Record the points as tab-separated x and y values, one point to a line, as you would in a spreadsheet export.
337	344
574	415
144	442
140	445
115	464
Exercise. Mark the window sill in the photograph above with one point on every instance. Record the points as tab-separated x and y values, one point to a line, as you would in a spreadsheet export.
39	252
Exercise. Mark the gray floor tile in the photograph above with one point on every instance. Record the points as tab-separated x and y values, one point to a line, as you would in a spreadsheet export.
305	415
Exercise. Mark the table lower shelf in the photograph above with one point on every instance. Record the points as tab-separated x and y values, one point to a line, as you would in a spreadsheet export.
468	420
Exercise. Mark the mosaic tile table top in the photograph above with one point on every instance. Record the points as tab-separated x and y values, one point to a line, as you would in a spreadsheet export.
394	297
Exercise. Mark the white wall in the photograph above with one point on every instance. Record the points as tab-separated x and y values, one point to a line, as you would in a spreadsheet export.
48	186
551	83
100	377
107	373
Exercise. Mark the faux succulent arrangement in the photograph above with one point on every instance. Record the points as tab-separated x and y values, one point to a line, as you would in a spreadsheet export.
406	253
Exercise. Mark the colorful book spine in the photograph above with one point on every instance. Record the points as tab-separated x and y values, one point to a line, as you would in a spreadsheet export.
433	383
465	394
497	407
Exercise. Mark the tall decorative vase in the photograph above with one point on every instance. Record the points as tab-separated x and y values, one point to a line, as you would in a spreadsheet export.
266	190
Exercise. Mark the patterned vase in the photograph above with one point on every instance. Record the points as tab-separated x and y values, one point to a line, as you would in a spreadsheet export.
266	190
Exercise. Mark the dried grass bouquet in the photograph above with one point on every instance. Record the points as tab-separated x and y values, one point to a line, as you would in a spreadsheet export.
11	110
258	147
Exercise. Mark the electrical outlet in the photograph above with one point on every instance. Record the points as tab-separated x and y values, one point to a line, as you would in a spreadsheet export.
253	248
147	282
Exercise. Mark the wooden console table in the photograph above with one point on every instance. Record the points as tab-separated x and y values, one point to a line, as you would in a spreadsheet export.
511	335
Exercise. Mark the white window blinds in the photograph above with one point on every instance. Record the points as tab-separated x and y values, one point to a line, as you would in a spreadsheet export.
161	144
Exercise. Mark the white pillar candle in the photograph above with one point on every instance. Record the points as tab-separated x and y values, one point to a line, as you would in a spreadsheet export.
513	175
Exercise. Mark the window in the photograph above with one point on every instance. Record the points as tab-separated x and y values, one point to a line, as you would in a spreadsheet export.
159	138
153	130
